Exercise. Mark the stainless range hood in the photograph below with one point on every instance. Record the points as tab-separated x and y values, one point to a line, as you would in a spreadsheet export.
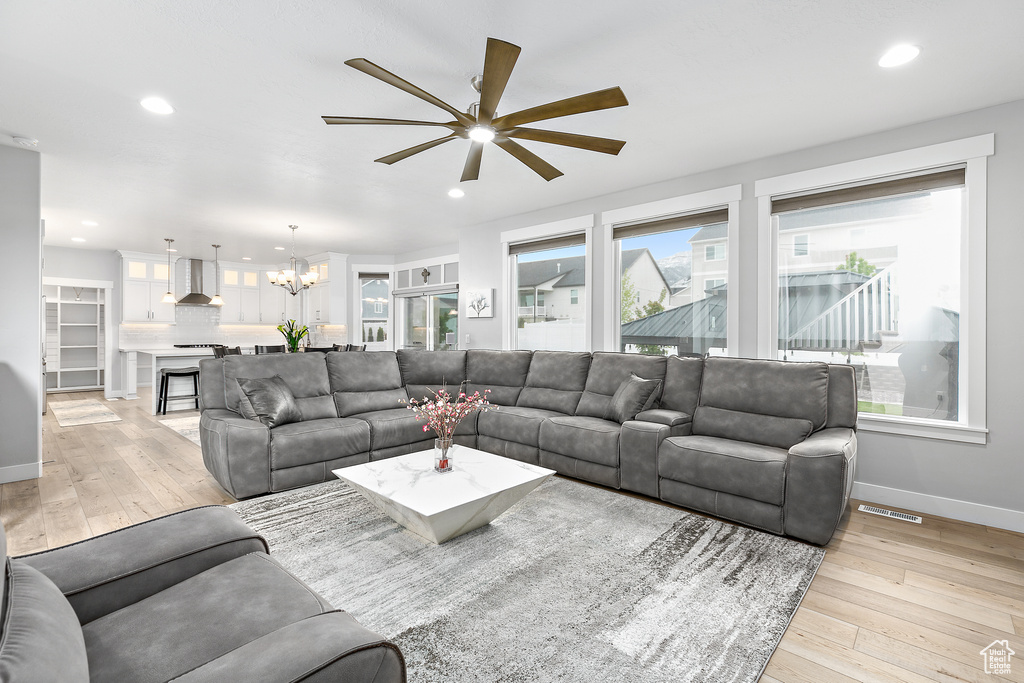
195	296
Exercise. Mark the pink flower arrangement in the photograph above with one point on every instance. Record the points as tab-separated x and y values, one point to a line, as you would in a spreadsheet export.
445	411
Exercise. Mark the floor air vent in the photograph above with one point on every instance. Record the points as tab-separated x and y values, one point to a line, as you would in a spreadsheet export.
889	513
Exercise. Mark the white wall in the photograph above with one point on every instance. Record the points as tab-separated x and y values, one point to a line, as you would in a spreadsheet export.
977	482
20	310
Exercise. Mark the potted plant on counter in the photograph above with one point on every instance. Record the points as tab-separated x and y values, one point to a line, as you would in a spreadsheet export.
293	334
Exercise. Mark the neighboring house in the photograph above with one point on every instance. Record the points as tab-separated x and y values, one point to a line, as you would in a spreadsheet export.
555	289
710	267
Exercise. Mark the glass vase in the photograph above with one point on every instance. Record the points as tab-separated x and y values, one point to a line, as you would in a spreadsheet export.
442	455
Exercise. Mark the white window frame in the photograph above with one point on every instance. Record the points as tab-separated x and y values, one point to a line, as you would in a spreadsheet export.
973	152
715	252
728	197
806	245
574	294
357	303
568	226
709	282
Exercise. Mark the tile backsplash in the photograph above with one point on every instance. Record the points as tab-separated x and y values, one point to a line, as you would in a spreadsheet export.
201	325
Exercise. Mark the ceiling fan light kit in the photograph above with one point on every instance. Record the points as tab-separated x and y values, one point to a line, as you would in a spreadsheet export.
481	125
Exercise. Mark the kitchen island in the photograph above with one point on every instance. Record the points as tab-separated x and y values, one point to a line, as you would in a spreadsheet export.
158	359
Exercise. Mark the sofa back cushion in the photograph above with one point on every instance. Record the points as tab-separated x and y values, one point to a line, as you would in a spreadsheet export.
607	373
424	372
767	430
40	637
304	373
682	384
556	381
503	372
364	382
761	401
842	397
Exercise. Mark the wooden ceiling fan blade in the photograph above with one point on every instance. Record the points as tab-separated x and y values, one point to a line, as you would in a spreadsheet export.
471	171
380	73
498	64
365	120
601	99
554	137
538	165
406	153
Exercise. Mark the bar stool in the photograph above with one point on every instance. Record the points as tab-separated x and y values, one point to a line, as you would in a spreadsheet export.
165	375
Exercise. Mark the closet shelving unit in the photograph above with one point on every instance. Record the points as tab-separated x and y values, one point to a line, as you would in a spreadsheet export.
75	337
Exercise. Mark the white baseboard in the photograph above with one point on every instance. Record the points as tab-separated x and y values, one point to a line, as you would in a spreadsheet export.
31	470
1002	518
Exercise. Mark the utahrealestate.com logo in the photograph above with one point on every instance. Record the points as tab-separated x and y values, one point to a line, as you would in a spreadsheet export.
997	657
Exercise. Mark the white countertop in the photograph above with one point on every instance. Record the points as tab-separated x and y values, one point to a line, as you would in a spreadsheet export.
171	352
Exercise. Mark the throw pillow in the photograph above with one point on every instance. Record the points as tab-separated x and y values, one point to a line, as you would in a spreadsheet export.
633	396
268	400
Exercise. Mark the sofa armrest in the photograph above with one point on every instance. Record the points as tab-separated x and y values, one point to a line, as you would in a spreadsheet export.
670	418
639	442
331	646
236	451
101	575
819	478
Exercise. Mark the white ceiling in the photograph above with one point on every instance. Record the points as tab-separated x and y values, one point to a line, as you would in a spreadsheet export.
709	84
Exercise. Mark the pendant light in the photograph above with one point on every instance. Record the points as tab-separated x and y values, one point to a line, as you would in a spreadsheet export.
169	296
216	300
290	279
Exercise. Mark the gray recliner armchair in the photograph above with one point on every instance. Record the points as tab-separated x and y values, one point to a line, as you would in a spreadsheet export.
193	596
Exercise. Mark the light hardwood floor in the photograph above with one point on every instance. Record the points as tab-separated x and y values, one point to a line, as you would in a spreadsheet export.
892	601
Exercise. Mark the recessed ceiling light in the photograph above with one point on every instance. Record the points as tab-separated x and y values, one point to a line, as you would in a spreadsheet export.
278	248
246	258
898	55
455	193
91	224
77	239
157	105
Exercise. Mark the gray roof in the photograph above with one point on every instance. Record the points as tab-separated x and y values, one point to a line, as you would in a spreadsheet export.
717	231
570	270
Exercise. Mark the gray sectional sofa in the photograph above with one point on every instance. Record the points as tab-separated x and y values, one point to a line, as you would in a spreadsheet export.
765	443
192	596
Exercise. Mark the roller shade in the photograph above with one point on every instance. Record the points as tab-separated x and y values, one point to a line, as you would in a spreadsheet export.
550	243
423	290
691	220
374	276
888	188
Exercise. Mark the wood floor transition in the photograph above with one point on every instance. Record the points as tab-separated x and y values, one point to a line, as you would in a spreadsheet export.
892	601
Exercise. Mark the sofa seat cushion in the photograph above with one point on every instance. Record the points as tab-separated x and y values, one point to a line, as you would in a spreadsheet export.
394	427
196	621
514	423
310	441
743	469
584	438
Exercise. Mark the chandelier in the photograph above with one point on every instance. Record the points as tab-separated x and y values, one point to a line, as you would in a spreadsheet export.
293	282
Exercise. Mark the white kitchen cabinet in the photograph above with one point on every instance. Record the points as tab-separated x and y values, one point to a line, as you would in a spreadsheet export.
144	281
276	304
325	302
240	291
318	304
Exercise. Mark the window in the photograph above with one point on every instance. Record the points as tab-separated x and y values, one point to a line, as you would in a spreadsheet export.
550	277
801	245
880	289
374	296
659	311
714	252
431	321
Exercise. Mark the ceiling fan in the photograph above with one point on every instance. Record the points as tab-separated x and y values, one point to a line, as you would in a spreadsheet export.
481	125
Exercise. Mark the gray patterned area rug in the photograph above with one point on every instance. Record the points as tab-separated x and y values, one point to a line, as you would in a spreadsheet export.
573	583
188	427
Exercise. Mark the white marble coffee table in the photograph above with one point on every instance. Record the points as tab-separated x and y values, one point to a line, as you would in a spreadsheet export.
441	506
